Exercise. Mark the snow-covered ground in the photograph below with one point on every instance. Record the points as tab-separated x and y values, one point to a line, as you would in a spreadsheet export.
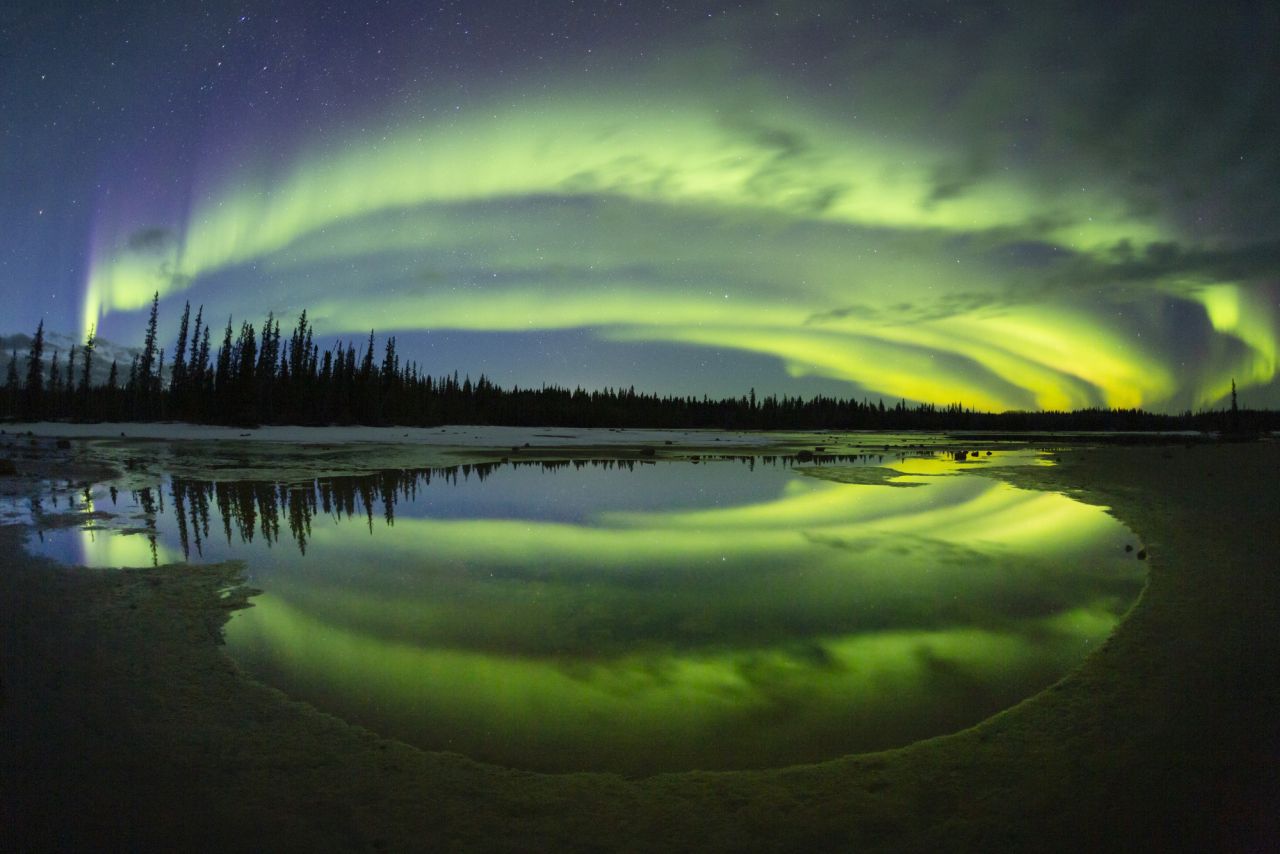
453	436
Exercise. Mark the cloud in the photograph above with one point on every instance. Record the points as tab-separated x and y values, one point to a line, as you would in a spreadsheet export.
151	240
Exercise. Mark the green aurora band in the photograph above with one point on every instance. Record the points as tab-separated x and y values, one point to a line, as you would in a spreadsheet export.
833	618
774	230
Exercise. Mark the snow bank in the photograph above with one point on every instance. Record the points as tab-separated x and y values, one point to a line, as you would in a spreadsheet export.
452	436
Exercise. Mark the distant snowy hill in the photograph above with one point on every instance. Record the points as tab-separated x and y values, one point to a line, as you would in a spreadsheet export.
59	343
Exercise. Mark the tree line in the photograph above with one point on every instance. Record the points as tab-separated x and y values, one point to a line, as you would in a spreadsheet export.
258	376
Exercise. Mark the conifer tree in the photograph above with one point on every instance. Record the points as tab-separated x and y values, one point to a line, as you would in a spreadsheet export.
69	384
222	374
11	389
145	378
111	397
201	370
247	350
131	385
90	342
177	377
34	392
192	369
51	392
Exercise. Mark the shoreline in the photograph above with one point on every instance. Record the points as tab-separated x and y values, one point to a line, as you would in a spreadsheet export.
126	725
453	435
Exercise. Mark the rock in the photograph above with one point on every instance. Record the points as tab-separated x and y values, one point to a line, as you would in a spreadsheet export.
64	444
647	452
1142	555
819	448
804	456
7	467
1128	547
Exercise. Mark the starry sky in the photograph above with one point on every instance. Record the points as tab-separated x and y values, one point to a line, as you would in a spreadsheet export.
1058	206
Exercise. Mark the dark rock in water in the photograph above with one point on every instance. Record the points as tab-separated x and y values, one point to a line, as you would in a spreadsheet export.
1142	555
647	452
988	453
515	449
1128	547
64	444
668	442
804	456
7	467
819	448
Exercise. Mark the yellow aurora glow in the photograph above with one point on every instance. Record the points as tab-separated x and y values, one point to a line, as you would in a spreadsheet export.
782	622
354	230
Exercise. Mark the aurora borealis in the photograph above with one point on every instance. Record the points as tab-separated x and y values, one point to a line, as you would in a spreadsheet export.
652	617
1057	207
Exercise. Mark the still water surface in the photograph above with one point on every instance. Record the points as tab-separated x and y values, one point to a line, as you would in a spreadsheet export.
644	617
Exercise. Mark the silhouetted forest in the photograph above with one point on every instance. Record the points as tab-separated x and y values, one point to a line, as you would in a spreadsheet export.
260	377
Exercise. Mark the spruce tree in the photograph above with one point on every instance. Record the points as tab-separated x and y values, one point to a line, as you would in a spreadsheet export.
201	371
90	341
193	366
222	375
111	399
11	389
147	363
34	396
247	349
177	377
69	384
53	389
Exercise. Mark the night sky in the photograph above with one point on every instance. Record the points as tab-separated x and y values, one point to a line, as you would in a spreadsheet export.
1024	206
